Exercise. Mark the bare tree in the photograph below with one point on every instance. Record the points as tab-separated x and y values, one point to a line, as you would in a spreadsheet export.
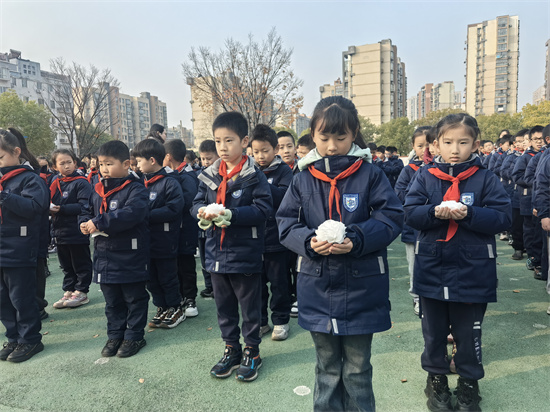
254	79
80	100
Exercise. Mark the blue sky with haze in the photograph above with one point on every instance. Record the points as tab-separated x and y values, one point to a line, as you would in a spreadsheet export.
145	42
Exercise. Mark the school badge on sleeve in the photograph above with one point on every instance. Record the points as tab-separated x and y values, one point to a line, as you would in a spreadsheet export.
237	193
467	199
113	205
351	201
152	195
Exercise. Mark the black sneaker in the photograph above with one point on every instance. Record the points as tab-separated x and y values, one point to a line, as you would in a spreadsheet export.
230	361
207	293
538	274
25	351
248	371
173	317
438	393
8	348
43	314
111	348
158	318
467	394
130	348
518	255
530	264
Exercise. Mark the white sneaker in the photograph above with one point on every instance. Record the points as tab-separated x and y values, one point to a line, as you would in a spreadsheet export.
294	310
264	330
416	307
280	332
77	299
61	302
548	310
190	308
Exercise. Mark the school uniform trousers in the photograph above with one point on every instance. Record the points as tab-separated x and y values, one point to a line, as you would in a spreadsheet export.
76	263
125	309
205	273
163	282
19	311
517	229
230	289
187	275
463	320
276	273
532	238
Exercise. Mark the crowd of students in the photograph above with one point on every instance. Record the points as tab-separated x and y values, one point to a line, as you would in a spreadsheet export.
256	220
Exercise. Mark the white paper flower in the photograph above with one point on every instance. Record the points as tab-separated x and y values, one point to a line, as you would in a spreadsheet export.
451	204
214	209
331	231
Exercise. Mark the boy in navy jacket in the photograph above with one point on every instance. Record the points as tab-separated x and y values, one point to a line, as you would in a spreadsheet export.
165	212
188	237
234	243
275	268
119	218
455	266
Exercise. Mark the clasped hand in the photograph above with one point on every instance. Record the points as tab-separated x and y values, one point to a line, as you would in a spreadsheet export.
454	214
325	248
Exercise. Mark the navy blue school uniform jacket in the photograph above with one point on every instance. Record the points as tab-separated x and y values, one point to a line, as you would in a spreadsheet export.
123	256
408	235
73	200
392	168
541	199
249	199
498	162
189	231
506	174
23	201
93	177
165	213
523	187
464	268
279	176
342	294
492	161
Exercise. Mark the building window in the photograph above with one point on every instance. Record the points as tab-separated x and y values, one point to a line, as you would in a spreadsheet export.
52	104
502	47
24	82
502	70
13	82
502	32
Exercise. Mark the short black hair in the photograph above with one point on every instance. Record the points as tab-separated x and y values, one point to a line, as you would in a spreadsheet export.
391	149
116	149
233	121
421	131
284	133
264	133
522	132
535	129
508	138
455	120
372	147
306	141
208	146
191	155
150	148
64	152
176	148
381	149
546	131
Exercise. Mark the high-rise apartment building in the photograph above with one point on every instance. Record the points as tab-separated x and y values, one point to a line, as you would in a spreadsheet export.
412	108
432	98
492	61
374	79
539	95
336	89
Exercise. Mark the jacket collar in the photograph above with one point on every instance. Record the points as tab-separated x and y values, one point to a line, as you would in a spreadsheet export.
272	166
211	176
453	169
314	156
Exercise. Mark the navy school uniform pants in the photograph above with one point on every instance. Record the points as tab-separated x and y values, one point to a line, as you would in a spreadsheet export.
292	275
544	263
230	291
163	282
343	373
517	230
187	275
205	273
41	265
463	320
19	311
276	274
532	238
126	309
76	264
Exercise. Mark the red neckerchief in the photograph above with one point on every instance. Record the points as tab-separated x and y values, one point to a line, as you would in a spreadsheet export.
55	186
181	167
100	190
153	180
222	188
93	172
414	167
531	154
291	165
427	157
44	177
7	177
334	193
453	193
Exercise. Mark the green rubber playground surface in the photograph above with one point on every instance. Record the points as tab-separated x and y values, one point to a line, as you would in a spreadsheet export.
172	372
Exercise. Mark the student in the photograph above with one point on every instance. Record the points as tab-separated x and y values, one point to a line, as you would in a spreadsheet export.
455	265
287	149
189	231
119	209
409	235
503	146
191	159
380	155
70	195
208	154
134	167
392	165
264	144
532	233
304	145
165	212
157	132
485	149
234	243
341	315
23	201
542	202
93	173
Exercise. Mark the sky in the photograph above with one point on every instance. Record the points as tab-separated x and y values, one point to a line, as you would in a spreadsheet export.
144	43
